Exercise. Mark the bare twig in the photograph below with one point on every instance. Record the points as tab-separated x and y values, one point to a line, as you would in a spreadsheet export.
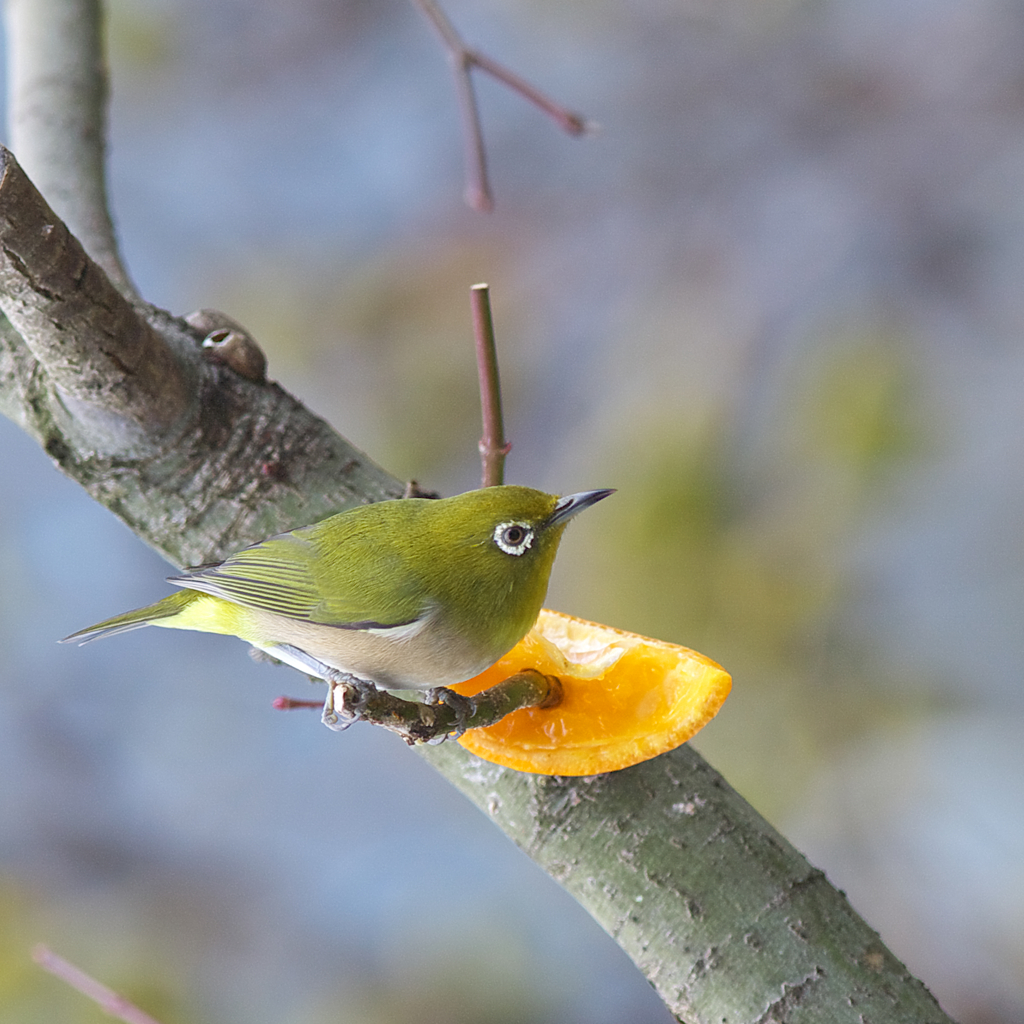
493	446
416	722
571	123
463	60
478	193
106	999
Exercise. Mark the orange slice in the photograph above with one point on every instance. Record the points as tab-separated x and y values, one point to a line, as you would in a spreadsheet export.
627	699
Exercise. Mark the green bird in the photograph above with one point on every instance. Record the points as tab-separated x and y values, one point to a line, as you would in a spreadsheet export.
413	593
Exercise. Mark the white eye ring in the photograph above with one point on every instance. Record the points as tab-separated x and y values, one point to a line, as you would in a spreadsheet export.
513	538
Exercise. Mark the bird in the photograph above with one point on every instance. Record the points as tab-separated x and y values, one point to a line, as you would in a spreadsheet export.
406	594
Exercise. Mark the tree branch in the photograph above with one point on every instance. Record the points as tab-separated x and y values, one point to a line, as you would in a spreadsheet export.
123	387
724	917
417	722
57	116
196	458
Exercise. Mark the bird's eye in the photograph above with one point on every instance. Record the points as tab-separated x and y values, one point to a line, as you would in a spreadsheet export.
513	538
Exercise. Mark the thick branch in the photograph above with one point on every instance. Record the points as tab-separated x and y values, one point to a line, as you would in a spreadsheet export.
57	84
125	384
196	458
724	917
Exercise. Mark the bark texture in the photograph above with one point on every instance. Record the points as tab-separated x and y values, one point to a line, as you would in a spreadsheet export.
724	917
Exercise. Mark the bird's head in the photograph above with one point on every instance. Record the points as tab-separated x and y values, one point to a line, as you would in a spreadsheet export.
493	550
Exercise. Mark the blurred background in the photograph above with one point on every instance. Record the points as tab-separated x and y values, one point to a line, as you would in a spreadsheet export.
776	301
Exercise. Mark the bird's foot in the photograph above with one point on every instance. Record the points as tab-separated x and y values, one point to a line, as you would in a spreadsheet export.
464	707
356	693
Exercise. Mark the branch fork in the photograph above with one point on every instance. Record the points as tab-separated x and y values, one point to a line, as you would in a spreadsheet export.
463	59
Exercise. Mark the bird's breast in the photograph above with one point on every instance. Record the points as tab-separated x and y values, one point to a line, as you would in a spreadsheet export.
414	656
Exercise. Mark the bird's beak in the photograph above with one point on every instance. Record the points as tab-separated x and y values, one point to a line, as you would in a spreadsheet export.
572	504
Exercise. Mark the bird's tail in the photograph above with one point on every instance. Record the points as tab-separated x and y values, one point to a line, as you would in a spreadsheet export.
169	606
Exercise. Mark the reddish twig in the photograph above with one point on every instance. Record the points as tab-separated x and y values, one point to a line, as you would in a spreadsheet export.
571	123
291	703
463	60
478	194
493	446
106	999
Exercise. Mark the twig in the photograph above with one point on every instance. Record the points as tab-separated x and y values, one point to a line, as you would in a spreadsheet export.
493	446
106	999
570	122
416	722
463	60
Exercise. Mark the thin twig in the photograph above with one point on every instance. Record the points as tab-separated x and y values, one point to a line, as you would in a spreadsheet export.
106	999
463	60
478	193
493	446
416	722
569	121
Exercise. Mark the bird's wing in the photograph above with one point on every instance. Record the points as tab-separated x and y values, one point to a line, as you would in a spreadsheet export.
293	575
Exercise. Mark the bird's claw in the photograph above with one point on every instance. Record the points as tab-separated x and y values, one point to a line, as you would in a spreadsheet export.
463	707
355	695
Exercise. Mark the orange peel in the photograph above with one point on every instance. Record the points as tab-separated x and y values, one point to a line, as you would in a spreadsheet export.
626	699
